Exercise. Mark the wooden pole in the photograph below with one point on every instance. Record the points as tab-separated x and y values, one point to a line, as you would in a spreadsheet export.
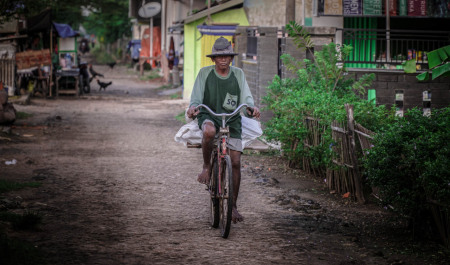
151	41
388	33
351	136
51	63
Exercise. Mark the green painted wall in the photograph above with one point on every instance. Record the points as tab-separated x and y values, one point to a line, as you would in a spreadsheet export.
192	44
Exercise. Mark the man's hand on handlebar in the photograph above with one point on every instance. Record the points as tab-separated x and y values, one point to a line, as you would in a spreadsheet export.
192	112
253	112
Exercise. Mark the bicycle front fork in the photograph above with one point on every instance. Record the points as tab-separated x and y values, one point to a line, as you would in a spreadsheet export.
221	153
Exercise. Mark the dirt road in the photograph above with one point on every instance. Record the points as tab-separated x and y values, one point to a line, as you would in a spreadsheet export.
117	189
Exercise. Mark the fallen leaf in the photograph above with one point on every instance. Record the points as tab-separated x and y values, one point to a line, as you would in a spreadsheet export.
346	195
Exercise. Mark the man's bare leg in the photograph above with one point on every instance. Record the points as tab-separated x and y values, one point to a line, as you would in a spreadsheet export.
209	132
236	169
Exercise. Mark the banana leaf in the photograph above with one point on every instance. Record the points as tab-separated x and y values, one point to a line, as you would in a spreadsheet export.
443	54
423	76
447	49
433	59
410	66
441	70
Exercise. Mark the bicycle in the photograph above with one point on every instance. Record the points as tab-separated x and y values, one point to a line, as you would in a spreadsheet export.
220	185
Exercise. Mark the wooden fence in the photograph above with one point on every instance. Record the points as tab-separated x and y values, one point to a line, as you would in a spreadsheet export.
345	176
7	70
351	141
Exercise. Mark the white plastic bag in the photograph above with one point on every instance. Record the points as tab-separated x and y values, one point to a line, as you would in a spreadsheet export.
190	133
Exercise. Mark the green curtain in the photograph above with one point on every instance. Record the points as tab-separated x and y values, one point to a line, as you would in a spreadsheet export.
364	44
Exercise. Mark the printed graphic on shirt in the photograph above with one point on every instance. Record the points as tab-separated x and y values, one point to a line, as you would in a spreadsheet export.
230	102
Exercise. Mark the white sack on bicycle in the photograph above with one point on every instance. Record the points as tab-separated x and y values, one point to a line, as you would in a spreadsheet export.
190	133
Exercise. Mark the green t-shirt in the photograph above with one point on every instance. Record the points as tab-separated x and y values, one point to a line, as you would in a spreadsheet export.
222	94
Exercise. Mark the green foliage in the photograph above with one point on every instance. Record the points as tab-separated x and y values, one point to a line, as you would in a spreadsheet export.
152	74
300	35
23	115
63	11
109	19
320	90
180	117
438	63
409	66
409	162
101	56
176	96
6	185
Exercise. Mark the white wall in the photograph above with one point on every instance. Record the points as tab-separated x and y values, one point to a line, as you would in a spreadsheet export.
336	22
266	13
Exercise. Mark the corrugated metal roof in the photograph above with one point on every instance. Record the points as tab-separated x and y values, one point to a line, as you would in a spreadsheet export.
212	10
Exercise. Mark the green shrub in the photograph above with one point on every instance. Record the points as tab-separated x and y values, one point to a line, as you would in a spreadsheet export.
319	90
6	185
23	115
409	162
101	56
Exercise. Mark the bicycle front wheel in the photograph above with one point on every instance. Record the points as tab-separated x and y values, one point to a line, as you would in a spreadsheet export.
226	197
214	201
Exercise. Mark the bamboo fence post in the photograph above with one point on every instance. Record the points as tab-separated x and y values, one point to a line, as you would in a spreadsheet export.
351	134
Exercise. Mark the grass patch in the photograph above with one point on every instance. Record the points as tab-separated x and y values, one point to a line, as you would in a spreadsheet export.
14	251
23	115
6	185
180	117
269	152
164	87
176	96
29	220
101	56
153	74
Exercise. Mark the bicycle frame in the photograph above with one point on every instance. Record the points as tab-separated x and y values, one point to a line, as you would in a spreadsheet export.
221	185
224	132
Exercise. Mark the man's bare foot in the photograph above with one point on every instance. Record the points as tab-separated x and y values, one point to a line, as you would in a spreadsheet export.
203	177
236	216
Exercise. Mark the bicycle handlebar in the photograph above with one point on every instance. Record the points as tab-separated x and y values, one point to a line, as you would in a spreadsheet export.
224	114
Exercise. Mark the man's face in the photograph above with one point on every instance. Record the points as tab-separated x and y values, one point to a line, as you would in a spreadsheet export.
222	62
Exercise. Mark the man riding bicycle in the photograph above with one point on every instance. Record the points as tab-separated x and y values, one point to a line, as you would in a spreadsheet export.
222	88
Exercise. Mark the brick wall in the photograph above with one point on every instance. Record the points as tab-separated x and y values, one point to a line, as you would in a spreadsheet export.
386	83
250	68
261	70
289	47
267	59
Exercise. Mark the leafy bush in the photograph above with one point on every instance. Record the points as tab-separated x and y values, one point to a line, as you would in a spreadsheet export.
410	160
6	185
320	90
101	56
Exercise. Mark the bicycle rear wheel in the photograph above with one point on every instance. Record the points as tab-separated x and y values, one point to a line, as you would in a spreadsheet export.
226	197
214	201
